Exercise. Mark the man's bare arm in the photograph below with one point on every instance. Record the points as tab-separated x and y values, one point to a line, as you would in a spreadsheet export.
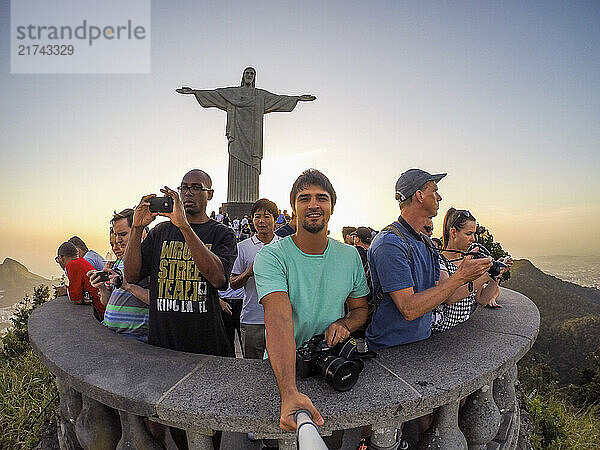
209	264
132	260
239	280
358	310
413	305
339	331
138	292
281	348
463	291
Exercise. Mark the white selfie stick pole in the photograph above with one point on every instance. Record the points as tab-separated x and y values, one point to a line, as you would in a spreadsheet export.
307	434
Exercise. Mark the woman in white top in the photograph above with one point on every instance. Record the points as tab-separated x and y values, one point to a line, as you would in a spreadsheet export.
459	234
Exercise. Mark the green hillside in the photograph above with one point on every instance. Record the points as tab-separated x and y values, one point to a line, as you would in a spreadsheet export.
570	319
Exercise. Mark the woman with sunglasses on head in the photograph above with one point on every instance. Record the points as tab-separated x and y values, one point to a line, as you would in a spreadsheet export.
459	234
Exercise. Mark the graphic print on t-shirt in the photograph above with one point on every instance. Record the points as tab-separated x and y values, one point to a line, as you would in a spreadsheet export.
181	286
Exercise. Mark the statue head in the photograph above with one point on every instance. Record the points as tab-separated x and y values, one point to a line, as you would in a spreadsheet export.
249	77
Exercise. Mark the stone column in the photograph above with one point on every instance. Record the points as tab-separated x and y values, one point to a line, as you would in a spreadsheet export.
505	398
444	432
479	418
504	390
135	434
70	408
98	426
287	444
386	438
199	441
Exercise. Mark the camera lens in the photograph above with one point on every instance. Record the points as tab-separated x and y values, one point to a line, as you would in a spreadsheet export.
494	271
341	373
346	349
118	282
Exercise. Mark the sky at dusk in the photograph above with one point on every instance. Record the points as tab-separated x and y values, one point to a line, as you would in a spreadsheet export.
504	96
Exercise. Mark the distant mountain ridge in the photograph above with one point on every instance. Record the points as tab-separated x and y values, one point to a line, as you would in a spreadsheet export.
17	281
570	318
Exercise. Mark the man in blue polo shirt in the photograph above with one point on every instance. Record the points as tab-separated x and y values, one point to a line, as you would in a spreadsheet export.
404	267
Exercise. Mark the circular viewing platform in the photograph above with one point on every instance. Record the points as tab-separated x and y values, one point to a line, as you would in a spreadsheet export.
99	371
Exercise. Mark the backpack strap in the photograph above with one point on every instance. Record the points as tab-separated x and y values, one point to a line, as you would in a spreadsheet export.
398	232
377	297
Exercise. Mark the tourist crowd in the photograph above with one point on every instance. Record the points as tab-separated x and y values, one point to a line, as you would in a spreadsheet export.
193	282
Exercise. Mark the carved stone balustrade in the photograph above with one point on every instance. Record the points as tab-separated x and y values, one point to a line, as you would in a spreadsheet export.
108	383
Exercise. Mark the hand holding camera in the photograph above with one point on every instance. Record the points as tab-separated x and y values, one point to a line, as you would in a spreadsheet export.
480	252
336	332
340	365
142	216
105	279
161	205
177	213
473	267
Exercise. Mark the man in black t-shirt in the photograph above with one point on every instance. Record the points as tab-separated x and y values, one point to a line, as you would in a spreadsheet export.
187	259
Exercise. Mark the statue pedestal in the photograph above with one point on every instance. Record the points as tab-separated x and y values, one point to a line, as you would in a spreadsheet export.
237	209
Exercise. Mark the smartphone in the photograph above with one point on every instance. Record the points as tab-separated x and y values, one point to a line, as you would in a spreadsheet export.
103	275
161	204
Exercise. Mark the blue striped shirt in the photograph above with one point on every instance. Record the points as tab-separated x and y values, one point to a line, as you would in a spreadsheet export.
127	314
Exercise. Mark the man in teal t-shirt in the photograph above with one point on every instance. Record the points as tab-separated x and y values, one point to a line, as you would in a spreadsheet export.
303	282
317	285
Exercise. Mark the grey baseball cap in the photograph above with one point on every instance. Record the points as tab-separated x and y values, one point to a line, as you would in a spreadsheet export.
412	180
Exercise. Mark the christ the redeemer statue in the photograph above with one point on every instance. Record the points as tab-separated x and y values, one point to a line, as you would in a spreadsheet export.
245	106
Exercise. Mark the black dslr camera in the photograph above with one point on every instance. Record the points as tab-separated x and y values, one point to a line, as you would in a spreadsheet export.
118	280
339	365
483	252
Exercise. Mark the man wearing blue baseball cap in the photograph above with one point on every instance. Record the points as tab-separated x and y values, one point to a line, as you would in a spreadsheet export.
405	269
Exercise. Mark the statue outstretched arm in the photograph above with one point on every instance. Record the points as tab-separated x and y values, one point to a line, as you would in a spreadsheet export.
284	103
185	90
206	98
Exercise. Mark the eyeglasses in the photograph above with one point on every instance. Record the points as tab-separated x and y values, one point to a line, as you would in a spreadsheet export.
194	188
461	213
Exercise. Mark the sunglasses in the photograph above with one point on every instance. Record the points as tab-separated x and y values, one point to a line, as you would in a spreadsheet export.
461	213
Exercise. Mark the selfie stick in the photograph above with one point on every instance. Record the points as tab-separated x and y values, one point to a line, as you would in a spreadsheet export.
307	434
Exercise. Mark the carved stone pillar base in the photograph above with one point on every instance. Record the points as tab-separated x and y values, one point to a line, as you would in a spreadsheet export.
237	209
98	427
385	439
504	390
199	441
135	434
479	418
444	432
70	408
287	444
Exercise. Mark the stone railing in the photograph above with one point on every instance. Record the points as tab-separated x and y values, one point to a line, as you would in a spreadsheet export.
109	383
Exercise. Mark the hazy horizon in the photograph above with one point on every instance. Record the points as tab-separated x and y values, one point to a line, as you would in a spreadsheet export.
502	96
533	258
